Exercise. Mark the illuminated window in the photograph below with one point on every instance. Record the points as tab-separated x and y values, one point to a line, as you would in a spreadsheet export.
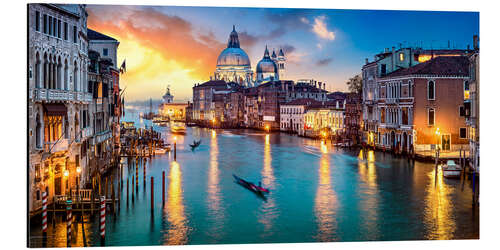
401	56
466	90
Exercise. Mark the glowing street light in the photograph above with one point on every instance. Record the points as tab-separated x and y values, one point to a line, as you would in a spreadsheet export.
267	128
78	170
66	173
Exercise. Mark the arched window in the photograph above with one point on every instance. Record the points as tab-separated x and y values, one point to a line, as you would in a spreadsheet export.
75	77
59	74
431	90
38	132
66	75
45	71
37	71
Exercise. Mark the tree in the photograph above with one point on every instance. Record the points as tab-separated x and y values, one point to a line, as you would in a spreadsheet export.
355	84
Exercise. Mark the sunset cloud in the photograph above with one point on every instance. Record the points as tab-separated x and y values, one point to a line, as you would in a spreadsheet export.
160	49
320	29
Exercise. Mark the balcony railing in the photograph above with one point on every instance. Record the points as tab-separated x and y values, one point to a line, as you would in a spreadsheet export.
56	146
41	94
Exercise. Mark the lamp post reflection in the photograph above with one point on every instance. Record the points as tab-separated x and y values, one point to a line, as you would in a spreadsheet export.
438	213
268	209
325	202
178	228
369	193
216	213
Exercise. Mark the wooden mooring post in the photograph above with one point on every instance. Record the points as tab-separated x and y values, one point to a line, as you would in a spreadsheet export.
152	194
163	188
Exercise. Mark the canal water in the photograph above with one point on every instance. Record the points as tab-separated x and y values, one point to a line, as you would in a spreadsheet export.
317	193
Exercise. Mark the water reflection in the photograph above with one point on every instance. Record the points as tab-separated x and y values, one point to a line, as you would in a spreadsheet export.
268	209
216	214
325	202
178	228
370	193
438	213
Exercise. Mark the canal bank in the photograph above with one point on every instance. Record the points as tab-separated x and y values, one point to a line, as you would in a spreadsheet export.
318	193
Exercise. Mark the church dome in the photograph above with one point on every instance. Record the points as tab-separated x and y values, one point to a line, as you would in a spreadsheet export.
266	65
233	55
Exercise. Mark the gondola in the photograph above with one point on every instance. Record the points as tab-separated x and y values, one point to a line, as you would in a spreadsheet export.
249	185
195	144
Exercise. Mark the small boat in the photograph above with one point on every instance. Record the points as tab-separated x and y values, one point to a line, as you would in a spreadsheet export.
162	149
451	170
195	144
249	185
178	128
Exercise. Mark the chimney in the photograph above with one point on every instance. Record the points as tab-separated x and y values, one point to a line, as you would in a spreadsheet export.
468	46
386	50
366	60
393	49
476	42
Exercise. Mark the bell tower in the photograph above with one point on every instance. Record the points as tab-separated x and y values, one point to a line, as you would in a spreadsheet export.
281	62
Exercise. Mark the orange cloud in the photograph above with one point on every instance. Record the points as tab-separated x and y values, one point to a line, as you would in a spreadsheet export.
160	49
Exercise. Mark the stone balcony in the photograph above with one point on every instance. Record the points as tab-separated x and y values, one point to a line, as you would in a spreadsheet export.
52	95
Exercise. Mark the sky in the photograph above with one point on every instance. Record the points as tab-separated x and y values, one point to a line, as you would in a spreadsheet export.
179	46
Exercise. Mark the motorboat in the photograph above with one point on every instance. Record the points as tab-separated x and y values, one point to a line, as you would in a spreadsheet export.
451	170
178	128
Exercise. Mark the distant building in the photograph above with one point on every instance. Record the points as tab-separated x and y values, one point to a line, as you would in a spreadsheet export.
174	110
292	114
325	120
353	118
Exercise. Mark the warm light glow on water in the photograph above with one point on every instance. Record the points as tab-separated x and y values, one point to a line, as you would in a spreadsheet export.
369	194
438	208
325	202
268	208
317	193
174	209
216	212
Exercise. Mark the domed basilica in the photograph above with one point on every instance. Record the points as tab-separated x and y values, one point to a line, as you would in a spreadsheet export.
234	65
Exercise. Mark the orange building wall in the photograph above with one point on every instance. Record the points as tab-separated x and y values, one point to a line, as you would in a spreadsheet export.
448	98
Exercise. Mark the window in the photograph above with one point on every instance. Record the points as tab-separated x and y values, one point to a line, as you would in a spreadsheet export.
59	28
383	69
45	24
55	27
65	31
50	25
105	52
74	34
430	117
466	90
463	133
410	88
401	56
431	92
462	111
37	21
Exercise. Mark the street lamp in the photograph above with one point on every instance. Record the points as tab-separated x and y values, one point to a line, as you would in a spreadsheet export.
437	145
267	127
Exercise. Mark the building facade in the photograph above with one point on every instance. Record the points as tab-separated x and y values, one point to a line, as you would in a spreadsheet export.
471	103
421	107
292	114
58	98
353	118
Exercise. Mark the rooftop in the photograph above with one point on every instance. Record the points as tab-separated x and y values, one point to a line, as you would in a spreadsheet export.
438	66
94	35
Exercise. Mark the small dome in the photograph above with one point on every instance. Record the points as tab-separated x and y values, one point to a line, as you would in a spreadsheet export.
266	65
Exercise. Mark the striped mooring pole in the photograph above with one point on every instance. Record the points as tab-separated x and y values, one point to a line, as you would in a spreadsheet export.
69	220
102	224
44	218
